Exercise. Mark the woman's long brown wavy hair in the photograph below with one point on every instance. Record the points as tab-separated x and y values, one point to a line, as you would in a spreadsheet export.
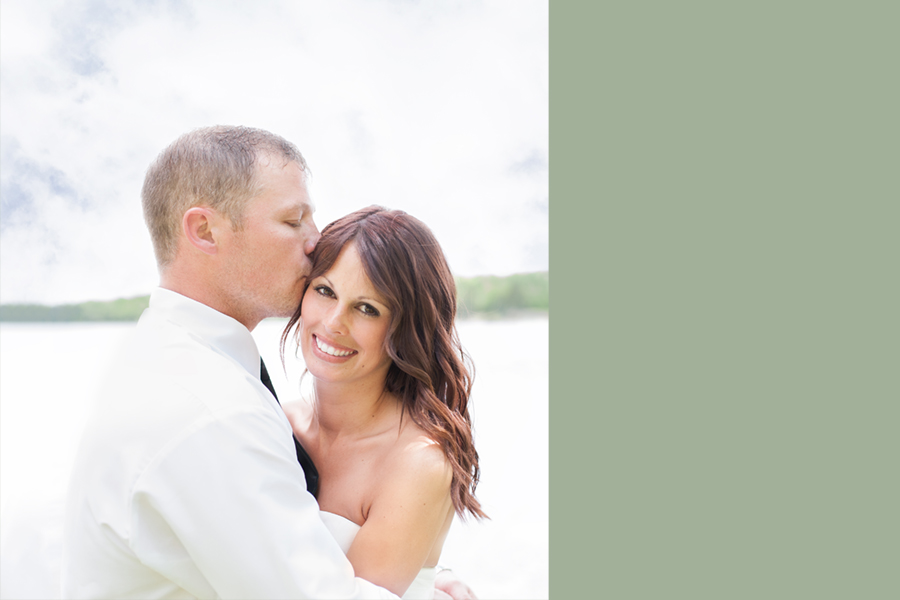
431	374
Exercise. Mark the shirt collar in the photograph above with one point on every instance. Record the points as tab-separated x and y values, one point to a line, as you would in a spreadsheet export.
220	331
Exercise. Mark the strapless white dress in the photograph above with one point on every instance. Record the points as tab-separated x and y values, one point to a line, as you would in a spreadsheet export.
344	531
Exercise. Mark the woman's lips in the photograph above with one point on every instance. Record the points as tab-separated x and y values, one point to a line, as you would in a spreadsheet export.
332	349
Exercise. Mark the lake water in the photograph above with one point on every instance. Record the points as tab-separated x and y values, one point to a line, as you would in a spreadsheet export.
49	372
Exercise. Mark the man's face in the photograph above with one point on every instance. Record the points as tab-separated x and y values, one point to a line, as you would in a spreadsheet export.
267	260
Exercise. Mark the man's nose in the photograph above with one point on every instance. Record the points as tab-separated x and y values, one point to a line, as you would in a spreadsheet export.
312	240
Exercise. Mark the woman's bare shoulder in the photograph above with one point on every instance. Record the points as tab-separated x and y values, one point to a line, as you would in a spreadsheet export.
418	457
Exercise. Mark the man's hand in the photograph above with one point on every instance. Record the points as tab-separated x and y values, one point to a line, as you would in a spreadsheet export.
446	585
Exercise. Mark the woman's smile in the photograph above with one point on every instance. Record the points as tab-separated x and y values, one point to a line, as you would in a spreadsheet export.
332	349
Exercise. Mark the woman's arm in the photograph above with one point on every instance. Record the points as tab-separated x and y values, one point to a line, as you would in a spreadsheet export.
408	517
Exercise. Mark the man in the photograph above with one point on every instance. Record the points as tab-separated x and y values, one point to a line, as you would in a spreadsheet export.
187	482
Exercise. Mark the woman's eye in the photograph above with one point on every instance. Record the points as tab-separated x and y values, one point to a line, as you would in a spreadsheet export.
324	290
368	309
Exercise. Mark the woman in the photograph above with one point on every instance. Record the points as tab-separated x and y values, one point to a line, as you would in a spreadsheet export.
386	421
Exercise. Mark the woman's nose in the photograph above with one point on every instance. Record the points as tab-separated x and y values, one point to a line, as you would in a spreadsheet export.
334	320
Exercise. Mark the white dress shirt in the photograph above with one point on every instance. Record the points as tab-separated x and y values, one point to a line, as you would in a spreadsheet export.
186	484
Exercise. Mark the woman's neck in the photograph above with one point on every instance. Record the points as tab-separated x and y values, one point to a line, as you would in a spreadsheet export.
356	411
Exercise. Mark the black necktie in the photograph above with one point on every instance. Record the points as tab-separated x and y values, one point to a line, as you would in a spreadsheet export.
309	469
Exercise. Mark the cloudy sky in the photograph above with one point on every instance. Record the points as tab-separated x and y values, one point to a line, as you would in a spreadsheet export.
436	107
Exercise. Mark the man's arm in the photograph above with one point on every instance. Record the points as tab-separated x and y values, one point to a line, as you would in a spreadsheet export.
235	498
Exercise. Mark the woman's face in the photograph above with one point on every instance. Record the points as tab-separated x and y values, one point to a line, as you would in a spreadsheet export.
344	324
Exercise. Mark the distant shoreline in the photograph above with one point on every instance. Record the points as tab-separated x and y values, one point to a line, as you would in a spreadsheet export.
483	297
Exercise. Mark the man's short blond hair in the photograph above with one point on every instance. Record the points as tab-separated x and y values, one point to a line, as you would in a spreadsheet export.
215	167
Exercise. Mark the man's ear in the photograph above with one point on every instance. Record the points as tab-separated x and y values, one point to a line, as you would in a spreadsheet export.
198	226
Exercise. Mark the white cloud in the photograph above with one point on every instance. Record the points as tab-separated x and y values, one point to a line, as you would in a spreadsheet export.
437	108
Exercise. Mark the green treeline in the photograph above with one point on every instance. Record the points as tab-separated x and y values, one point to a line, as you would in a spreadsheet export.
124	309
503	296
487	295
